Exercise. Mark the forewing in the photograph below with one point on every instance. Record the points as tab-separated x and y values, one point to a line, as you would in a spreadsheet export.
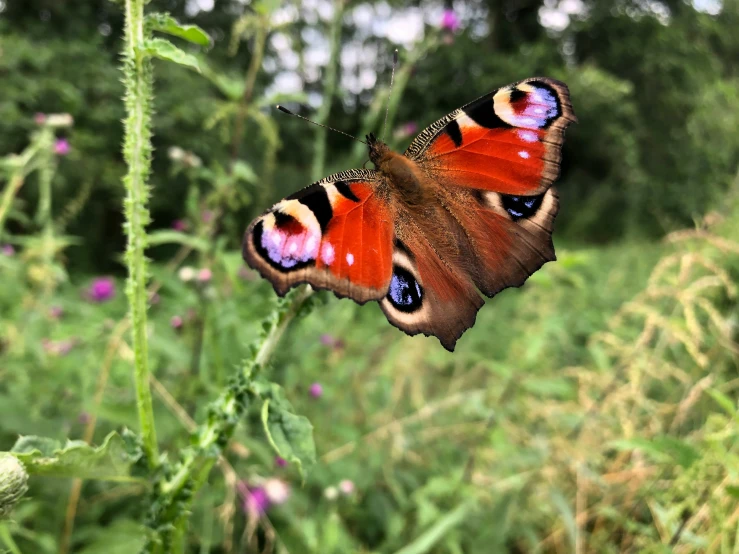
335	234
508	141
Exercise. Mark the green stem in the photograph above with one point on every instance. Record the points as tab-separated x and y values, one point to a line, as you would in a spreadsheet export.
249	81
7	538
25	167
137	152
330	78
175	494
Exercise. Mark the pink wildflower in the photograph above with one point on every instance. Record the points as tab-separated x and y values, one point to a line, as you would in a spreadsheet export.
101	289
450	21
61	147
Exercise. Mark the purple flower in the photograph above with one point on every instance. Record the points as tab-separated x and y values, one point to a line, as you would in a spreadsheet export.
205	275
101	289
256	501
316	390
280	461
180	225
39	118
55	312
450	21
61	147
410	128
207	216
332	342
8	249
84	418
176	322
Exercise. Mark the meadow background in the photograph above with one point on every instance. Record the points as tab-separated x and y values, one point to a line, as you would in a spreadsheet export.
592	410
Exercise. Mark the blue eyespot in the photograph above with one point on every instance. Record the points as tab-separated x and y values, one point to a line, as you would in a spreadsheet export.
521	206
405	293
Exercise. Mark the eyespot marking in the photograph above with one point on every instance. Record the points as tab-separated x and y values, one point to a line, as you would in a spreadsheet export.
405	293
521	206
532	105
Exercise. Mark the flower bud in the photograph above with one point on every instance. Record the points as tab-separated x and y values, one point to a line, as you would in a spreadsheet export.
59	120
13	483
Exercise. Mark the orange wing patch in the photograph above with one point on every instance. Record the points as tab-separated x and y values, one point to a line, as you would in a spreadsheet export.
508	141
336	234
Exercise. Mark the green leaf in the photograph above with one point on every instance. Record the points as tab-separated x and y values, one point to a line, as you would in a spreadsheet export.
43	456
167	237
661	449
167	24
290	435
733	490
266	7
165	50
436	532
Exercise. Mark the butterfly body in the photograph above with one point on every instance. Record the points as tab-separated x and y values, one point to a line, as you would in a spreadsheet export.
467	208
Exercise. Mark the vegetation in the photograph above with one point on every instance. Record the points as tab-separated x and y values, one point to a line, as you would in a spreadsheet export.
160	398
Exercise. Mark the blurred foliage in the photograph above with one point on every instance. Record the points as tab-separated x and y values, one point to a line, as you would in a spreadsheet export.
594	410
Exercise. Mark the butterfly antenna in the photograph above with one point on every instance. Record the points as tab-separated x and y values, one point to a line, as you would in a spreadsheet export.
390	92
288	112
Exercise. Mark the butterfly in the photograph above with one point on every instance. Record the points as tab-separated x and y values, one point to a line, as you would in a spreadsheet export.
468	207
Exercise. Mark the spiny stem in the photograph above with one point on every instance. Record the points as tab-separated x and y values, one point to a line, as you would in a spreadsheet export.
137	152
175	494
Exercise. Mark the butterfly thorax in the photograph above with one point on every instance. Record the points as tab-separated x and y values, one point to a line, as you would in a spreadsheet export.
401	174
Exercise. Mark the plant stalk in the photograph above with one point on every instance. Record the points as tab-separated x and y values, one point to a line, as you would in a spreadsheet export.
137	153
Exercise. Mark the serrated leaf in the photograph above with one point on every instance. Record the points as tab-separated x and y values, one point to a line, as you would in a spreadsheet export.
43	456
661	449
165	50
123	536
176	237
167	24
290	435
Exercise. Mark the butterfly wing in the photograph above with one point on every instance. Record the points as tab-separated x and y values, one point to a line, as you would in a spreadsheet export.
335	234
494	161
464	243
508	141
427	293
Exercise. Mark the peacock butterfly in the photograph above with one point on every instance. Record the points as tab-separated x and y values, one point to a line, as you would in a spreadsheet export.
468	207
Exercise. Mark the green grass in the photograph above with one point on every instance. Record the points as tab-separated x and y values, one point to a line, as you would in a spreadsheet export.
570	414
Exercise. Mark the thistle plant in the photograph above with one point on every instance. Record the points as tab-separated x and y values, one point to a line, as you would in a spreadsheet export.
13	483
